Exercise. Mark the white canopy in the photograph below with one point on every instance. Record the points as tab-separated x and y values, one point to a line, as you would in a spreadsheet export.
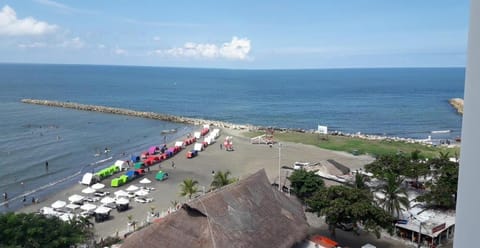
368	246
179	143
145	181
75	198
122	201
132	188
122	165
120	193
141	192
58	204
107	200
72	206
88	190
88	207
98	186
66	217
102	210
87	178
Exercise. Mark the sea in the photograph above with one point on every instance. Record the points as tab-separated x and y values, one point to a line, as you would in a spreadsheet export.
402	102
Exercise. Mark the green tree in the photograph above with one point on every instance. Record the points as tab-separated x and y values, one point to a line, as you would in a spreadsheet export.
394	196
360	181
342	204
305	183
442	189
221	179
188	187
417	166
34	230
395	164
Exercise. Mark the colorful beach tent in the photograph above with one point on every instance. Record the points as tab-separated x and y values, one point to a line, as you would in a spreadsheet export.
135	158
153	150
179	143
161	176
139	165
116	182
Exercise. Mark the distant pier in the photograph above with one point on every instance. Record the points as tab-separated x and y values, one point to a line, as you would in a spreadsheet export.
141	114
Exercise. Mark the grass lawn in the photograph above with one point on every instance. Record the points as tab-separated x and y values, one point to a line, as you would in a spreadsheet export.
357	146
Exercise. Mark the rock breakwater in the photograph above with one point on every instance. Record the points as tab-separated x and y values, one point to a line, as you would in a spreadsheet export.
141	114
457	103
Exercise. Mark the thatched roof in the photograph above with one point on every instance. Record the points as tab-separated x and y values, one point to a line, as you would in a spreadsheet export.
249	213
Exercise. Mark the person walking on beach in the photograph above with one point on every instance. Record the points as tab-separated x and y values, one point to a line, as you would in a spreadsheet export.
173	164
46	166
24	199
221	146
5	196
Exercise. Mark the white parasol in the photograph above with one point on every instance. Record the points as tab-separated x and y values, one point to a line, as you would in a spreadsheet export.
141	192
145	181
122	201
107	200
120	193
58	204
67	217
88	190
132	188
102	210
72	206
88	207
75	198
98	186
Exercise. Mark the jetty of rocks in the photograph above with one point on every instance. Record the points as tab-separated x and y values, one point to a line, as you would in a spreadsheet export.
457	103
141	114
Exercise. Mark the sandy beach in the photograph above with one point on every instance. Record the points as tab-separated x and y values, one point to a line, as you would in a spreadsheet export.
244	160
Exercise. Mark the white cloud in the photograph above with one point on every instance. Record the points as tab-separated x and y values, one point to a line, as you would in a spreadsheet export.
156	38
63	7
101	46
32	45
73	43
10	25
237	49
119	51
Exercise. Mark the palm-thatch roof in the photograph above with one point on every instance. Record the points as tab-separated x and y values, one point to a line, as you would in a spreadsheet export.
249	213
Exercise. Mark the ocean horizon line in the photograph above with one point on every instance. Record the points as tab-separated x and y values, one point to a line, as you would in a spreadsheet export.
239	69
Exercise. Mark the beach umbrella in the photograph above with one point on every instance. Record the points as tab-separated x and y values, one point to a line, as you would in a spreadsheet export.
98	186
88	207
107	200
132	188
66	217
75	198
102	210
58	204
72	206
122	201
88	190
120	193
145	181
141	192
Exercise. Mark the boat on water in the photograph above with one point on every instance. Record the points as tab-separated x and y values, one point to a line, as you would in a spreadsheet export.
442	131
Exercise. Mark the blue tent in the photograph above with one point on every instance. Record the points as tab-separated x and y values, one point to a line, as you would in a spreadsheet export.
135	158
131	174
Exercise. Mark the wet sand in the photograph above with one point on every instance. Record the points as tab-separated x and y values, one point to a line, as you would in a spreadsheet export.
244	160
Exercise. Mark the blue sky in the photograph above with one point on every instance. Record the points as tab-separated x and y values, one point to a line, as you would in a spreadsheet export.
236	34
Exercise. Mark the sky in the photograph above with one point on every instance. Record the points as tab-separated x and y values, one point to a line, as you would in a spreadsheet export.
243	34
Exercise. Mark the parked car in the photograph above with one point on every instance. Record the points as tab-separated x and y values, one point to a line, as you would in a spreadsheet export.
143	199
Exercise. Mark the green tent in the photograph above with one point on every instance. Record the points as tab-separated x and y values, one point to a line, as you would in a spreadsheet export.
116	182
161	176
139	165
123	179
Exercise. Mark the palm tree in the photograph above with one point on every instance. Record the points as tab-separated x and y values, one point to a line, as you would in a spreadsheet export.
188	187
395	196
221	179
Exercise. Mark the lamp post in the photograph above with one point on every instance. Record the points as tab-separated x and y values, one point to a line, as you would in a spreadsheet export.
279	165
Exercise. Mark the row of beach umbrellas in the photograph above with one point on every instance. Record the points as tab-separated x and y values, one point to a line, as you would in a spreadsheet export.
106	200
